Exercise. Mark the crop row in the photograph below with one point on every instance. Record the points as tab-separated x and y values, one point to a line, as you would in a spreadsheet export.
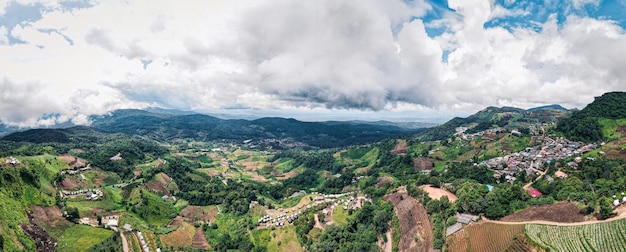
606	236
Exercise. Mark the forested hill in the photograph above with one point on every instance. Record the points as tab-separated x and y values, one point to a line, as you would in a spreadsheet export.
585	125
165	127
492	117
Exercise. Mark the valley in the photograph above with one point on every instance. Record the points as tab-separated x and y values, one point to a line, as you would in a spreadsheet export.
141	181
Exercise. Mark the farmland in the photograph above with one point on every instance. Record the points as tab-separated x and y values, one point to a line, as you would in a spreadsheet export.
80	237
605	236
486	237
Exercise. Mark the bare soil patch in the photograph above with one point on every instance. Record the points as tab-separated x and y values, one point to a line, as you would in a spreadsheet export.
437	193
400	149
51	216
258	178
615	149
69	184
413	223
564	212
177	221
72	161
192	213
423	164
382	181
43	241
181	237
159	184
199	240
288	175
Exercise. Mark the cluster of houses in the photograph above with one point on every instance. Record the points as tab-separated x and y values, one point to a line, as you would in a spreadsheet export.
279	221
142	240
89	194
532	159
117	157
460	220
287	216
73	172
617	202
12	161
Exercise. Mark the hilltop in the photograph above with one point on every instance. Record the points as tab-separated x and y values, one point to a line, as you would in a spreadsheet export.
493	117
597	121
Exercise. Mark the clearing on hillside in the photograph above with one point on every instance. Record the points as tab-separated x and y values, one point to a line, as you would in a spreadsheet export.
202	213
199	240
487	236
72	161
617	149
437	193
181	237
605	236
413	223
564	212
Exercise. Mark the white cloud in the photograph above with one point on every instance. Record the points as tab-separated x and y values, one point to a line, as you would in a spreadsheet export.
335	54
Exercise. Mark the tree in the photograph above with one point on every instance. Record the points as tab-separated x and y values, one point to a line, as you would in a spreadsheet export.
606	210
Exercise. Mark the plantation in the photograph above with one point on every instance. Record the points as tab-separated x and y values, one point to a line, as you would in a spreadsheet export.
486	237
81	237
606	236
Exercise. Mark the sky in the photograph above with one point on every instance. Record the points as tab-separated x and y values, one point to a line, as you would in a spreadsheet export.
411	60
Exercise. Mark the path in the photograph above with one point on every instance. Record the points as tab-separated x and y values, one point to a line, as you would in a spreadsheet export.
562	224
386	246
124	242
317	222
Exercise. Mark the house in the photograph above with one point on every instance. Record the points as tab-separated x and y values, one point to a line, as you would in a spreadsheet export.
560	174
454	228
117	157
534	192
549	179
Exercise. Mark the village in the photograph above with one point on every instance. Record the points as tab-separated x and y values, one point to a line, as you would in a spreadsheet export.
533	160
286	216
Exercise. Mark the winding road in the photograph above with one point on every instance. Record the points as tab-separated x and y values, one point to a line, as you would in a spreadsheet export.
621	215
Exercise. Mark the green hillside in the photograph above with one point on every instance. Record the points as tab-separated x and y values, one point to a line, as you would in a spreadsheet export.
588	124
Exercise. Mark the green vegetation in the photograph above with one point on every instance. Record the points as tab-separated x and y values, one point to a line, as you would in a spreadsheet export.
81	237
607	236
153	209
586	125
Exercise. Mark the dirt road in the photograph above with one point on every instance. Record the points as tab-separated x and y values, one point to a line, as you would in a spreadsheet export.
124	242
317	222
620	216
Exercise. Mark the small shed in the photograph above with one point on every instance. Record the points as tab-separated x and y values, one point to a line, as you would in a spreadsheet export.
534	192
454	228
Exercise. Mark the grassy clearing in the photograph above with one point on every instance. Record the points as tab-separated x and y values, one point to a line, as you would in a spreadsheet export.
82	237
285	240
609	127
340	216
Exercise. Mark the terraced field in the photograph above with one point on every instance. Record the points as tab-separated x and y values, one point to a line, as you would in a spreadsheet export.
606	236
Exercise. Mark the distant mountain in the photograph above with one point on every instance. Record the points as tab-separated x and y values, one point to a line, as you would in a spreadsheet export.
404	125
491	117
548	107
166	127
584	125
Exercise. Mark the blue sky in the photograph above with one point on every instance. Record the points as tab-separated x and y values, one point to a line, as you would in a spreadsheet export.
369	60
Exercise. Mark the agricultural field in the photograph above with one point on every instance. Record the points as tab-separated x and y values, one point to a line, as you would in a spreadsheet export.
181	237
280	239
565	212
486	237
605	236
414	222
81	237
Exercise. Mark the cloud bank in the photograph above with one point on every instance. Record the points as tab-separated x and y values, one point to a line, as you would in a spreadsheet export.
72	59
